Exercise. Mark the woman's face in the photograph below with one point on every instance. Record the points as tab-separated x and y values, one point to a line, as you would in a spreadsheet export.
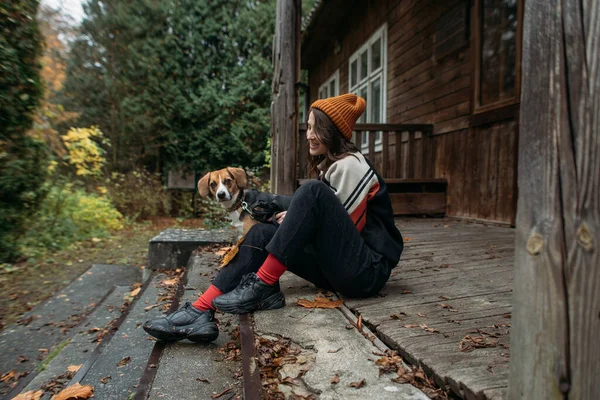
315	147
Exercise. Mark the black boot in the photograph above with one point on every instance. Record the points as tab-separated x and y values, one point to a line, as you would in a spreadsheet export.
185	323
252	294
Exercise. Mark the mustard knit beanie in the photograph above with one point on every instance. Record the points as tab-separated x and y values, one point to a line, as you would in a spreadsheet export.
343	110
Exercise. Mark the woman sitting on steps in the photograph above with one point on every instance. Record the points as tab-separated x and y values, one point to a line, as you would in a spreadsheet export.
337	233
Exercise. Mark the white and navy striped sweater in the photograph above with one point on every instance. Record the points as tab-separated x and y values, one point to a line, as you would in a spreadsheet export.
364	195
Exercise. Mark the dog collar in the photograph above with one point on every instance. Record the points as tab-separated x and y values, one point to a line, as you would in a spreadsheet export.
238	203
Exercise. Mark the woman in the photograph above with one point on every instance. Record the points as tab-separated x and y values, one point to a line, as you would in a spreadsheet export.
337	233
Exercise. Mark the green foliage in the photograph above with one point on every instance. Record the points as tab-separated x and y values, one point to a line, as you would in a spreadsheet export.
23	159
68	215
182	83
138	194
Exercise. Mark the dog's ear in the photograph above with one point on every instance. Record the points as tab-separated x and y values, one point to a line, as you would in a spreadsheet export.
203	185
240	176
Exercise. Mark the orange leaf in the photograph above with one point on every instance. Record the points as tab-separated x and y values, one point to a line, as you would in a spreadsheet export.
320	302
335	379
124	361
231	253
359	323
170	282
74	368
74	392
135	292
31	395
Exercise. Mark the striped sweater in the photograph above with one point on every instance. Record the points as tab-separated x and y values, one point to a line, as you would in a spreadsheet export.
365	196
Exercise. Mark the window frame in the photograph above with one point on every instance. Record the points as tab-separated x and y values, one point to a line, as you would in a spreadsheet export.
327	83
477	41
372	76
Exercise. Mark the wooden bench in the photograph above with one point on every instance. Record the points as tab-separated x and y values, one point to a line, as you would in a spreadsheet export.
415	196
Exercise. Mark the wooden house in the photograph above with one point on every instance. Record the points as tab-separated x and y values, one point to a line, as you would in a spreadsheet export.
442	78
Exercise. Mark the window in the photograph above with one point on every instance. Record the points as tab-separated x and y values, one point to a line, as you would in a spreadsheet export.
331	87
498	46
367	78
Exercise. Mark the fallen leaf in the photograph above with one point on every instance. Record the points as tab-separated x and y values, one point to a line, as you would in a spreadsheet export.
334	351
74	392
448	307
202	380
135	292
74	368
359	323
105	379
407	239
170	282
22	359
216	396
231	253
444	298
124	361
150	307
428	329
420	314
400	316
406	291
320	302
31	395
358	385
335	379
446	266
411	326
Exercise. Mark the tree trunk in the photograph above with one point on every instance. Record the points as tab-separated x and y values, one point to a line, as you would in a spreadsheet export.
556	318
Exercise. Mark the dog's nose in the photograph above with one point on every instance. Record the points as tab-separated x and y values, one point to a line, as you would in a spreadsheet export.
221	195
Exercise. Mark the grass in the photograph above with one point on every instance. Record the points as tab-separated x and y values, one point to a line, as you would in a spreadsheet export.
29	283
57	349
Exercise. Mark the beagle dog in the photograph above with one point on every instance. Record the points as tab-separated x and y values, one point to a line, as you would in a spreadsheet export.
228	187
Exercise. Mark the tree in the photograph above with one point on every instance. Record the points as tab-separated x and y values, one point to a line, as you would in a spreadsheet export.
23	159
181	83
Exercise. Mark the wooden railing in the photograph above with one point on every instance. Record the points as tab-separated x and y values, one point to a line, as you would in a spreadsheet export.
407	151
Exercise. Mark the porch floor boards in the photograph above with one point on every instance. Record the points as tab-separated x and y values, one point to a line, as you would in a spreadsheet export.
452	287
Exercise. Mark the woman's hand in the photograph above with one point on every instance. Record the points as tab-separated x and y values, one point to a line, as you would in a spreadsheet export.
280	216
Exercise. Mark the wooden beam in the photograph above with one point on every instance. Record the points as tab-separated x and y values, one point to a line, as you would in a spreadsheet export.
554	351
284	112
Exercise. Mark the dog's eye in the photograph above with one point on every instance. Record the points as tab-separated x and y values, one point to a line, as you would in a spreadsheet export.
213	184
228	182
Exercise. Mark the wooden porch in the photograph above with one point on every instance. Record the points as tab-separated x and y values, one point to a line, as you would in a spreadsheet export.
447	306
405	158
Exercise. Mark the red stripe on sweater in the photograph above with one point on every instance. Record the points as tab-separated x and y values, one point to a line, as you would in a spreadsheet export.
359	215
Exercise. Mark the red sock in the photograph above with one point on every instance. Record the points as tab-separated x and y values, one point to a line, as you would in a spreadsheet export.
204	302
271	270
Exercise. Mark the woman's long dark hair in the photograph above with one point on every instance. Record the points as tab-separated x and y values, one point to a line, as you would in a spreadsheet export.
337	145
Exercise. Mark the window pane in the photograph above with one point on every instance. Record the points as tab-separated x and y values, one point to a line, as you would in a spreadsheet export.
364	65
363	94
332	90
376	111
498	50
376	55
354	73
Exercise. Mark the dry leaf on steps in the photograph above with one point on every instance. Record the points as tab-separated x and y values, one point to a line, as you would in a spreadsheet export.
359	323
358	385
135	292
231	253
335	379
31	395
75	392
74	368
320	302
170	282
124	361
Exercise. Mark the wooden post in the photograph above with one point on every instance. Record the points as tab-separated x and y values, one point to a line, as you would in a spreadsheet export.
284	109
555	353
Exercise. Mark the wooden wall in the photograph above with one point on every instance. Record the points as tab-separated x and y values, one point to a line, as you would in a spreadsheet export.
422	87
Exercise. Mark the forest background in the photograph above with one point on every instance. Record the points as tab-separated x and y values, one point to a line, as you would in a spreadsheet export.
93	115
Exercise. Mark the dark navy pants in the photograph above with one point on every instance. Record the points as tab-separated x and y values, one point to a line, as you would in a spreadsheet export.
317	241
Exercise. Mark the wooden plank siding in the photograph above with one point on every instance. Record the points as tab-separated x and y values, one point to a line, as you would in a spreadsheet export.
479	162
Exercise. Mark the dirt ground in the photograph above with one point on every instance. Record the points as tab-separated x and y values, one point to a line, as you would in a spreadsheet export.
25	285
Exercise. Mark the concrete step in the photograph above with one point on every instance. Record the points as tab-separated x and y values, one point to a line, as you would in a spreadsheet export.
25	344
115	372
172	248
323	347
198	371
76	350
